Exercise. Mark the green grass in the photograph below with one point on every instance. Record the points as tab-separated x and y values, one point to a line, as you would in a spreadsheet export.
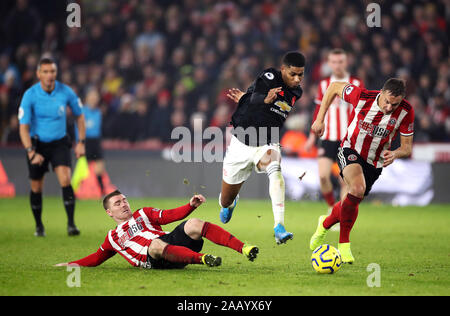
410	244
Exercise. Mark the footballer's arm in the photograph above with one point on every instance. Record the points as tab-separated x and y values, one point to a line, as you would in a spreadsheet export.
179	213
403	151
334	89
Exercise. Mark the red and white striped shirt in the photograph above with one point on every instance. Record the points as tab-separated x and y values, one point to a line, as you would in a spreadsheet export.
132	238
370	131
337	117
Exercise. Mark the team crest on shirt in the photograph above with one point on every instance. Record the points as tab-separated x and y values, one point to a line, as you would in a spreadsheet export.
392	121
352	157
61	110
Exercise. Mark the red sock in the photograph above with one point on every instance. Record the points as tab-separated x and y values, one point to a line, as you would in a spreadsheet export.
334	217
329	198
349	213
220	236
181	254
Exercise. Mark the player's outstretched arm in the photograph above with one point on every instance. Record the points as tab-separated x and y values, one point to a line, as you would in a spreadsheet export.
334	89
97	258
179	213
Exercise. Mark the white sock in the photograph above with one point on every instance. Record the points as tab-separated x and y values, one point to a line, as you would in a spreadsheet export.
276	191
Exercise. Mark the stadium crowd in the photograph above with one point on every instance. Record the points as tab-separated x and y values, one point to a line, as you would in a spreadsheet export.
160	64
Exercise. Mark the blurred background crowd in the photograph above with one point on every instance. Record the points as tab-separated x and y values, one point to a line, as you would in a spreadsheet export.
152	65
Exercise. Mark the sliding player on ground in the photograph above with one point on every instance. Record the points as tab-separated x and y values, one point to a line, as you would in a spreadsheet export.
140	239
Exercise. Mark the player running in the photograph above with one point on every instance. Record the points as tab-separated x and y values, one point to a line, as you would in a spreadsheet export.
377	118
140	239
260	114
336	122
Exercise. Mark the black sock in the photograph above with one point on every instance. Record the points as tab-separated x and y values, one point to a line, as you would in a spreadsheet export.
100	182
36	207
69	203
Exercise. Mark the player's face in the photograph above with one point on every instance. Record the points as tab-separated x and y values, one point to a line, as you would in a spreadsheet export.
388	103
338	64
292	76
47	75
119	209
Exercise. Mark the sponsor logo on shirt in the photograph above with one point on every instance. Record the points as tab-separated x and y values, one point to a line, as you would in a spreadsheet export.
372	129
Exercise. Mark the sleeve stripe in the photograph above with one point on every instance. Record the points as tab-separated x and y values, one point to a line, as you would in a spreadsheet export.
408	134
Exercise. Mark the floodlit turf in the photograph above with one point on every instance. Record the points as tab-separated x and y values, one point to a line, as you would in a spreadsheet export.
410	245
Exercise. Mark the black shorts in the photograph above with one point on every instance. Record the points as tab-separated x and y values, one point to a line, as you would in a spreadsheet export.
347	156
57	153
329	149
93	149
177	237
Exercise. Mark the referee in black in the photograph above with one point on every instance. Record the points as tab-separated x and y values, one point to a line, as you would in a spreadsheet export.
43	132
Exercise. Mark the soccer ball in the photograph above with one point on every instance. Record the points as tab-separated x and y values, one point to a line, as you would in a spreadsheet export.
326	259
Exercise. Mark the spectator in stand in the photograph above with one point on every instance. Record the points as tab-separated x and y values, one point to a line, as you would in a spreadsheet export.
196	48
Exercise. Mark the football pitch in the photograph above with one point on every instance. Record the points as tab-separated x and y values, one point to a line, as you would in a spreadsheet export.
398	251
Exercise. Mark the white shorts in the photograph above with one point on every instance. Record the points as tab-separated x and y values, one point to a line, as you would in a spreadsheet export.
241	159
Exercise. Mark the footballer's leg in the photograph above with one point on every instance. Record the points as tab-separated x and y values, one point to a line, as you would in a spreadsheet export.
228	199
271	164
326	187
159	249
354	177
63	173
196	228
36	204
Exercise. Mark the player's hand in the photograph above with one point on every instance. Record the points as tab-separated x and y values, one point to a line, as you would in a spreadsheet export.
80	150
197	200
235	94
272	95
318	128
389	157
37	159
63	264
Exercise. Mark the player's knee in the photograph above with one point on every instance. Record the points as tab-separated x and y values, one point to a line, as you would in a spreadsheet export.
156	248
193	228
358	190
324	179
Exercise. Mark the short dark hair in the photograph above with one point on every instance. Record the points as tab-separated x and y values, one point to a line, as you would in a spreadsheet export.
295	59
395	86
108	197
46	61
337	51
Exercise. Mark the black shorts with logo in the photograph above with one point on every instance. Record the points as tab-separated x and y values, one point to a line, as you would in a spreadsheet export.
57	153
177	237
347	156
329	149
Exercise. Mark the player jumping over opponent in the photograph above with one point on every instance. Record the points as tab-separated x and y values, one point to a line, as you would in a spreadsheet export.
260	114
377	118
140	239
